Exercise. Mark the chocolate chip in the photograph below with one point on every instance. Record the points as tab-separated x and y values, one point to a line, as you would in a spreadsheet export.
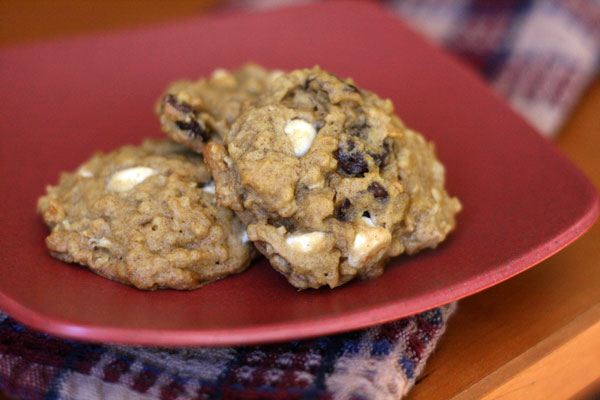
378	191
351	160
341	212
179	106
194	129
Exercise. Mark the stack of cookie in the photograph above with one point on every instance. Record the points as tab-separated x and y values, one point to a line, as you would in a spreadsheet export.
318	175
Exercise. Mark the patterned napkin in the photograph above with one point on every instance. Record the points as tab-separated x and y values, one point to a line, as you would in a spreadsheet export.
539	55
377	363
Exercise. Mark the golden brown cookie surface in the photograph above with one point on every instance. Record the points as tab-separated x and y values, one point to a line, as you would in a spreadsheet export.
329	182
193	112
145	216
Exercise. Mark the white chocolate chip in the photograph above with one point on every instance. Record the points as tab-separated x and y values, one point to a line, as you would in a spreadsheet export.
301	134
209	187
102	242
368	221
84	173
369	245
128	178
244	236
305	242
219	73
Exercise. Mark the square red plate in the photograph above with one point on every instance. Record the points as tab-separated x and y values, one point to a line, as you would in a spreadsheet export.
64	100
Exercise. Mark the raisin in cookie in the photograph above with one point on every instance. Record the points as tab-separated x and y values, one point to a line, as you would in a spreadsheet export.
145	216
329	181
192	113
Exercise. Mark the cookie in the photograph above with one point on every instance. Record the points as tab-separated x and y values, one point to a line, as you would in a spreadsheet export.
192	113
145	216
329	182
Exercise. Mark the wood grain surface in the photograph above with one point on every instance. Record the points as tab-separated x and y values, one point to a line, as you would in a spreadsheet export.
29	20
536	336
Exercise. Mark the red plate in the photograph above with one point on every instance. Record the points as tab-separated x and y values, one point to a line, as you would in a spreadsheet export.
62	101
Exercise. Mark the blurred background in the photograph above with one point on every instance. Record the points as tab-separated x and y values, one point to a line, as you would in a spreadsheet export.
538	54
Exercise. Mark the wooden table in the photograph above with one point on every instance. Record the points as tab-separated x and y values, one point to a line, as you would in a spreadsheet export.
536	336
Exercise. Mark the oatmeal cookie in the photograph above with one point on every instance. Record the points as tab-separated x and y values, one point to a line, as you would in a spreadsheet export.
145	216
329	181
191	113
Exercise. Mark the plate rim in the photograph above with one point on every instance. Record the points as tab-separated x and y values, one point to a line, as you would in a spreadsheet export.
316	326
